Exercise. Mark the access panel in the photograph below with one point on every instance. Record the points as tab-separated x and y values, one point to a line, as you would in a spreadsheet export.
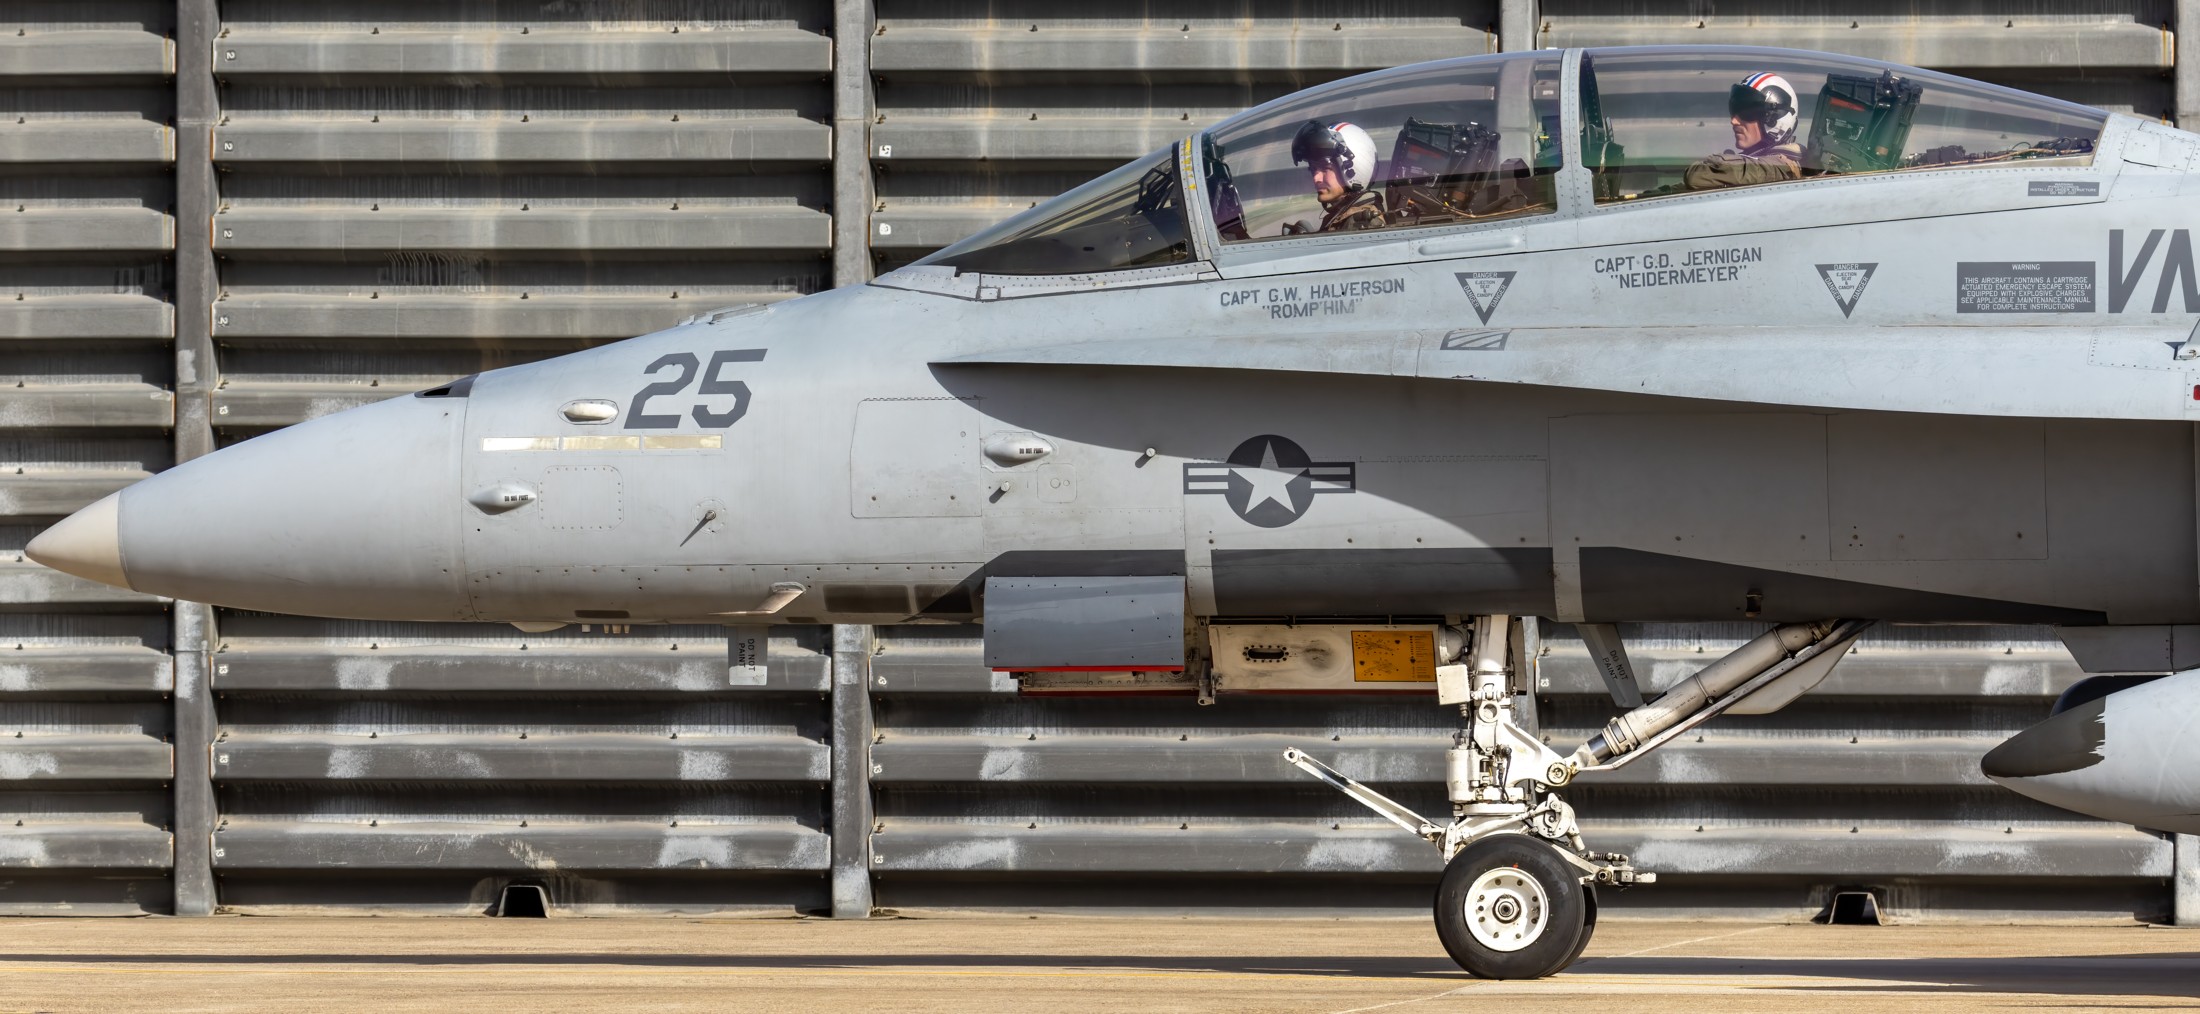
1084	622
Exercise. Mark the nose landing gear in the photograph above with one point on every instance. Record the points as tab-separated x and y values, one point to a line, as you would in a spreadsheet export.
1518	896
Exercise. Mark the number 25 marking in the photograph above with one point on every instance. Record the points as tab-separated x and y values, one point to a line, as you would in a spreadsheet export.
688	365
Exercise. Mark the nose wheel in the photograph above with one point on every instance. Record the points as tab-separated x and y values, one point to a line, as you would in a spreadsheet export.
1510	908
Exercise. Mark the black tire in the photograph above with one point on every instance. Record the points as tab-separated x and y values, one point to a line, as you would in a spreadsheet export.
1537	922
1588	925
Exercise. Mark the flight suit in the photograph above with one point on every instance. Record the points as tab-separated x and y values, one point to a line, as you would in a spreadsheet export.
1363	210
1776	164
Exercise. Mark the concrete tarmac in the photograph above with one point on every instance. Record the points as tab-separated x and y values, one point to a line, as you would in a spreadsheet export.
1061	963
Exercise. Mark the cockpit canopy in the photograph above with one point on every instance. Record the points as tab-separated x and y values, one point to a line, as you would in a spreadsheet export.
1130	218
1456	141
1480	139
1650	114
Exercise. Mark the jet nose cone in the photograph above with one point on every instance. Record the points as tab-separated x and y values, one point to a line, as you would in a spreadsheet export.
350	515
87	544
2067	742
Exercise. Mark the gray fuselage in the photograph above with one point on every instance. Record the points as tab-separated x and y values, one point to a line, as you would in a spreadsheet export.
2049	481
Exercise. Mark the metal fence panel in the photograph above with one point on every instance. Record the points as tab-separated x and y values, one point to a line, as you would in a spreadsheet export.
441	763
86	237
412	192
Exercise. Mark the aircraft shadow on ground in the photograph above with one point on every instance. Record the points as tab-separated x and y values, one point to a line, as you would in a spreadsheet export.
2166	974
1373	967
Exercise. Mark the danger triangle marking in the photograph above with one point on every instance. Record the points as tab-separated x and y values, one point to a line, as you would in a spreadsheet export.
1846	282
1484	289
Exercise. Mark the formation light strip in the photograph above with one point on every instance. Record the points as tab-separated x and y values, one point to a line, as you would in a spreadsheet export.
674	442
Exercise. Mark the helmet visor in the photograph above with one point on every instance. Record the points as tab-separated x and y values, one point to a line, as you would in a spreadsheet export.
1766	103
1316	145
1746	102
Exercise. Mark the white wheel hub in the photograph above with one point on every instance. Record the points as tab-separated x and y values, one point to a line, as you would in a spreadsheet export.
1506	909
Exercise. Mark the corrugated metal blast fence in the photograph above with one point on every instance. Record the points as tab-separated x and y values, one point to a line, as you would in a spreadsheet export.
218	218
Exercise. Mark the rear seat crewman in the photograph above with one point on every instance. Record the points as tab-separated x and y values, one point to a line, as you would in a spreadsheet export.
1762	111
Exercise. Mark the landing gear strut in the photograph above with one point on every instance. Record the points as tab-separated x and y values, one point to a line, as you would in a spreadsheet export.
1518	897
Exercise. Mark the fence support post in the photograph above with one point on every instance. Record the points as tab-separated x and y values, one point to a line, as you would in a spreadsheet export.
193	637
2184	881
1516	25
851	791
852	114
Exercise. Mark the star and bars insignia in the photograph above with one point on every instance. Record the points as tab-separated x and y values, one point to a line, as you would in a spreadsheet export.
1269	481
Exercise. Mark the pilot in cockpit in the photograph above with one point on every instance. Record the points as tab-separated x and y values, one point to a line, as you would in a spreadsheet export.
1341	157
1762	111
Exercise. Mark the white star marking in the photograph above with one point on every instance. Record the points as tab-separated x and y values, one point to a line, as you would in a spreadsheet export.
1269	481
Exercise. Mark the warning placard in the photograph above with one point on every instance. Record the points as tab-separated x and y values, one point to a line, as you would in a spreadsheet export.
1393	656
2024	287
748	652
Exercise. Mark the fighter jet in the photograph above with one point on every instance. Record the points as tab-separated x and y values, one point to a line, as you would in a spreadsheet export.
1343	393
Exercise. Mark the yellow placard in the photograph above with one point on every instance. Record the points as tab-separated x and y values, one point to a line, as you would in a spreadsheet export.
1393	656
